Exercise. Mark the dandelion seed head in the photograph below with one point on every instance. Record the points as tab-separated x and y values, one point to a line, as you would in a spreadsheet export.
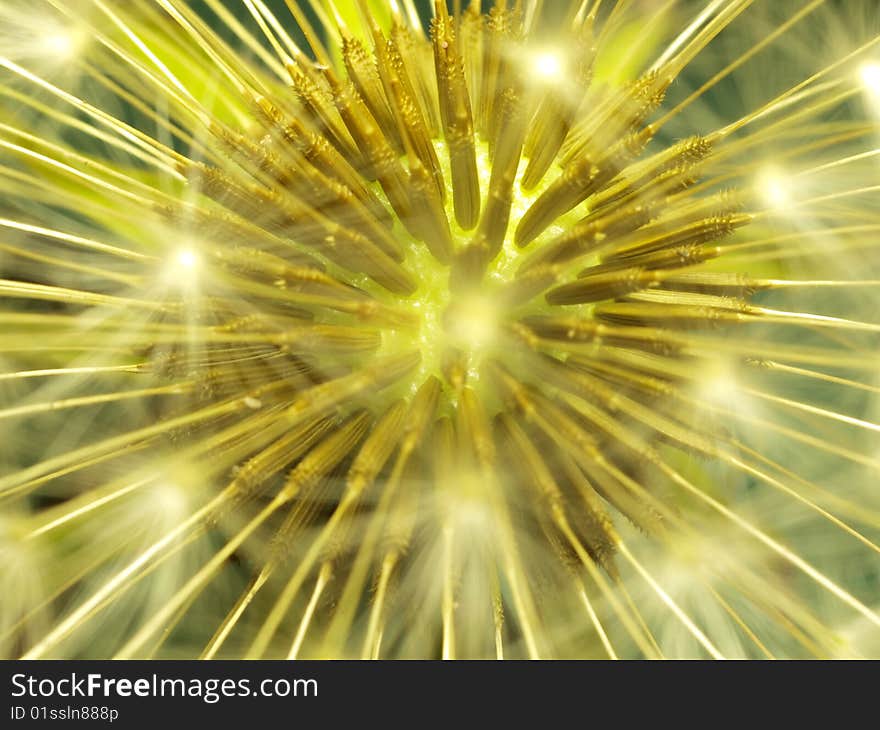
472	322
376	339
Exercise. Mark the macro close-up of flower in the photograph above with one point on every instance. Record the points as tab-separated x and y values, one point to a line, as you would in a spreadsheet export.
403	329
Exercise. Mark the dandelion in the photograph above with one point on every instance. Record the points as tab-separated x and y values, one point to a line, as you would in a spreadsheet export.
362	329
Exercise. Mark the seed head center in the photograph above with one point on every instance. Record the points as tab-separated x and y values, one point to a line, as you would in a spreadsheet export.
459	327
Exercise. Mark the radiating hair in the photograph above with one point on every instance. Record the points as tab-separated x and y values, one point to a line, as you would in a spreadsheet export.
369	329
